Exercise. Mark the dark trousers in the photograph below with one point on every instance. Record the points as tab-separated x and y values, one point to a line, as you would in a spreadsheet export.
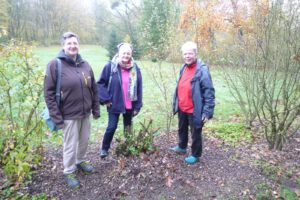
113	119
185	120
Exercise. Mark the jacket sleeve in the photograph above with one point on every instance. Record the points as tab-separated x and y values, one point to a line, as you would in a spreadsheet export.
95	100
208	93
138	105
175	95
49	93
102	84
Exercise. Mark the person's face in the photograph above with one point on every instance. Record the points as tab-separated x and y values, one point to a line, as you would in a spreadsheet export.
125	53
189	56
71	47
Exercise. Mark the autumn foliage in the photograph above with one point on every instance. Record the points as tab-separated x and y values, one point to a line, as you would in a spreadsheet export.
204	20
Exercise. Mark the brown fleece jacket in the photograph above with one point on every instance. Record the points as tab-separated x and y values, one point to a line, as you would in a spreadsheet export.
79	95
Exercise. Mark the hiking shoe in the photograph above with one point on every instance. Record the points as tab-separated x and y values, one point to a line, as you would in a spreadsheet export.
85	167
177	149
72	181
191	160
103	153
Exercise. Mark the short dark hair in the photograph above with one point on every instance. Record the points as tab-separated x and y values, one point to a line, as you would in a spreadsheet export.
67	35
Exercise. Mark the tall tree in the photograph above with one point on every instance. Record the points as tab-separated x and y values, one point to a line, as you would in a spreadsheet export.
103	22
46	20
112	44
3	17
202	21
155	22
127	12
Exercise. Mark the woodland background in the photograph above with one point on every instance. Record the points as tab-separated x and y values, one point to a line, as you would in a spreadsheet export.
251	46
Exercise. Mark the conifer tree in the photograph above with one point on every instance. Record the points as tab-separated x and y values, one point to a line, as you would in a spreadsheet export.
112	44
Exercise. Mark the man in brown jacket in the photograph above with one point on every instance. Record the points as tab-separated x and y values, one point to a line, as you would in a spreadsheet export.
79	97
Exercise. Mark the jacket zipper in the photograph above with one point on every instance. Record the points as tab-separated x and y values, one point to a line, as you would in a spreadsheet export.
81	84
120	81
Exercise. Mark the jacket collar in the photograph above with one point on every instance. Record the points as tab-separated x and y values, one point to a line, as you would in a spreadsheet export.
63	56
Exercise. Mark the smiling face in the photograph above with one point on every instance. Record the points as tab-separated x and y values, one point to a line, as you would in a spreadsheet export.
189	55
71	47
125	53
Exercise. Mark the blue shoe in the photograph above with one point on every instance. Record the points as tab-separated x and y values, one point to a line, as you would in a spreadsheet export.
177	149
103	153
72	181
85	167
191	160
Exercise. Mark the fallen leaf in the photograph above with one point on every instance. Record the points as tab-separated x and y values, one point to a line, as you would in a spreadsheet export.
297	139
145	158
275	193
53	168
169	181
122	193
121	163
255	156
189	183
279	173
245	192
141	175
297	192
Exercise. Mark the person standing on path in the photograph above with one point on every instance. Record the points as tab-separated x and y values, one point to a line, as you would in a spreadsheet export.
79	98
194	101
120	89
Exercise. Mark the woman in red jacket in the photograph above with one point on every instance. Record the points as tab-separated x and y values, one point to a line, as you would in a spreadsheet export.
194	100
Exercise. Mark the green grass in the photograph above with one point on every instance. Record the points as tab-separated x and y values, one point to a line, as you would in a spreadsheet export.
298	182
225	103
233	133
263	191
96	56
288	193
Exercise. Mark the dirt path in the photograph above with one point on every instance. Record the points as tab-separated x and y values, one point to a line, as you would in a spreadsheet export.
223	172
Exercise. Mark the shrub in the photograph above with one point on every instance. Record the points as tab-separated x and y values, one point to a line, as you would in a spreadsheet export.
21	127
264	79
136	143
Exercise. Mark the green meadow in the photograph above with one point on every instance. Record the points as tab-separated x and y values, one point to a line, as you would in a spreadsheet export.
226	109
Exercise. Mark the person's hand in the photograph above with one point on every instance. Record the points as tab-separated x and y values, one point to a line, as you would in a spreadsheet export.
109	104
61	126
96	117
204	119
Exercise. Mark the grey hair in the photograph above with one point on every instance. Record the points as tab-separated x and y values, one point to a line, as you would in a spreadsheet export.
67	35
190	45
124	44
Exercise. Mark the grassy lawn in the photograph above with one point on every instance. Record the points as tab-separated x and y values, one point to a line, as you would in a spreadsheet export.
152	97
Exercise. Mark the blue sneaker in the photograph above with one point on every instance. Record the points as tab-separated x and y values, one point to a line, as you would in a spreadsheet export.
177	149
191	160
72	181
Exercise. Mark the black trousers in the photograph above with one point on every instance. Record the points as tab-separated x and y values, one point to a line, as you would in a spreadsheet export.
113	119
185	120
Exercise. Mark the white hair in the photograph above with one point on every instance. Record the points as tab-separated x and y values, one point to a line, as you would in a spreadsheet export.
190	45
122	45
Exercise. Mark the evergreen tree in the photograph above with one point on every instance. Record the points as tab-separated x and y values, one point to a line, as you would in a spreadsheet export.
155	27
112	44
